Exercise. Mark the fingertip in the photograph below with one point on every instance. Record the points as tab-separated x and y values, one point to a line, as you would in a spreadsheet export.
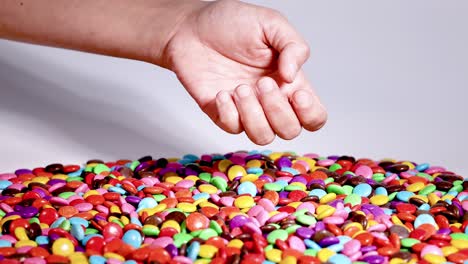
302	99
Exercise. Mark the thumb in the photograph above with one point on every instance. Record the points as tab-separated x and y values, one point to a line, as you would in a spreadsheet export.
292	48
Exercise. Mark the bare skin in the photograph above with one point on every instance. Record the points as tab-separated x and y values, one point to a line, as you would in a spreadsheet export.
241	63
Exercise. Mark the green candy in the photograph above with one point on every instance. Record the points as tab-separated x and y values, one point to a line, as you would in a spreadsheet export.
219	183
459	236
378	177
65	225
457	182
2	213
277	234
181	238
102	168
425	175
350	173
205	176
269	247
196	233
348	189
428	189
66	195
117	221
207	233
292	229
275	225
149	230
91	231
353	199
333	188
335	167
292	188
409	242
329	180
310	252
392	196
159	197
183	227
306	219
34	220
456	188
271	186
300	212
216	227
134	164
70	179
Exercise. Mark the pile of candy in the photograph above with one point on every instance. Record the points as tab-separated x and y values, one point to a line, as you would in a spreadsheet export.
243	207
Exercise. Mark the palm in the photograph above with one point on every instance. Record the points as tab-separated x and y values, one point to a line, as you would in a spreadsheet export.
212	55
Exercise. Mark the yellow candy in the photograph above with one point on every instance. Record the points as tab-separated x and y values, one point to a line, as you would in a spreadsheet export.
276	155
457	225
460	244
173	159
207	188
173	179
20	233
236	171
249	178
207	251
157	209
171	223
244	202
234	214
295	204
447	197
235	243
434	259
199	201
397	261
60	176
63	247
42	180
90	192
208	204
433	198
115	209
223	165
356	224
78	258
289	260
124	220
310	162
187	207
111	255
324	254
449	250
415	187
11	217
396	220
324	211
253	164
328	198
25	243
274	255
303	187
409	164
422	197
192	178
379	199
202	261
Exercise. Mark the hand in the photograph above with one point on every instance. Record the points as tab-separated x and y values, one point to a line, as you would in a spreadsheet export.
242	65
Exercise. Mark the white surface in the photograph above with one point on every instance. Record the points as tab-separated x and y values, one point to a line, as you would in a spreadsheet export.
394	76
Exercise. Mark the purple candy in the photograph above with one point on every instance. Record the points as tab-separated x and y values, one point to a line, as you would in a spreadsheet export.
283	194
166	170
328	241
22	171
133	199
304	232
299	179
172	250
28	212
238	221
55	181
142	166
444	231
374	259
368	249
283	162
319	226
253	157
335	202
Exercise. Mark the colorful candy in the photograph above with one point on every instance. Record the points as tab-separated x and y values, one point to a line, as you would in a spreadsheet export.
243	207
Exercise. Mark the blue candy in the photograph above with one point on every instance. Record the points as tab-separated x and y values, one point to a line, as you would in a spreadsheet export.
381	190
404	196
5	243
133	238
247	187
4	184
95	259
78	232
339	259
424	219
363	189
193	250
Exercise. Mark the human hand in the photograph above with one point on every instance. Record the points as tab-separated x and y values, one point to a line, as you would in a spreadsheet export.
242	65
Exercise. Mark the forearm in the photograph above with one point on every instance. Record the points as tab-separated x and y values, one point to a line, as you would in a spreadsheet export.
134	29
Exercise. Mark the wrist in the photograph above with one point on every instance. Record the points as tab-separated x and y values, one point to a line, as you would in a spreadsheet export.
172	19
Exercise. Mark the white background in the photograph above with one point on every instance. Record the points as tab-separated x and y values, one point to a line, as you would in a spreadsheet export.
393	74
